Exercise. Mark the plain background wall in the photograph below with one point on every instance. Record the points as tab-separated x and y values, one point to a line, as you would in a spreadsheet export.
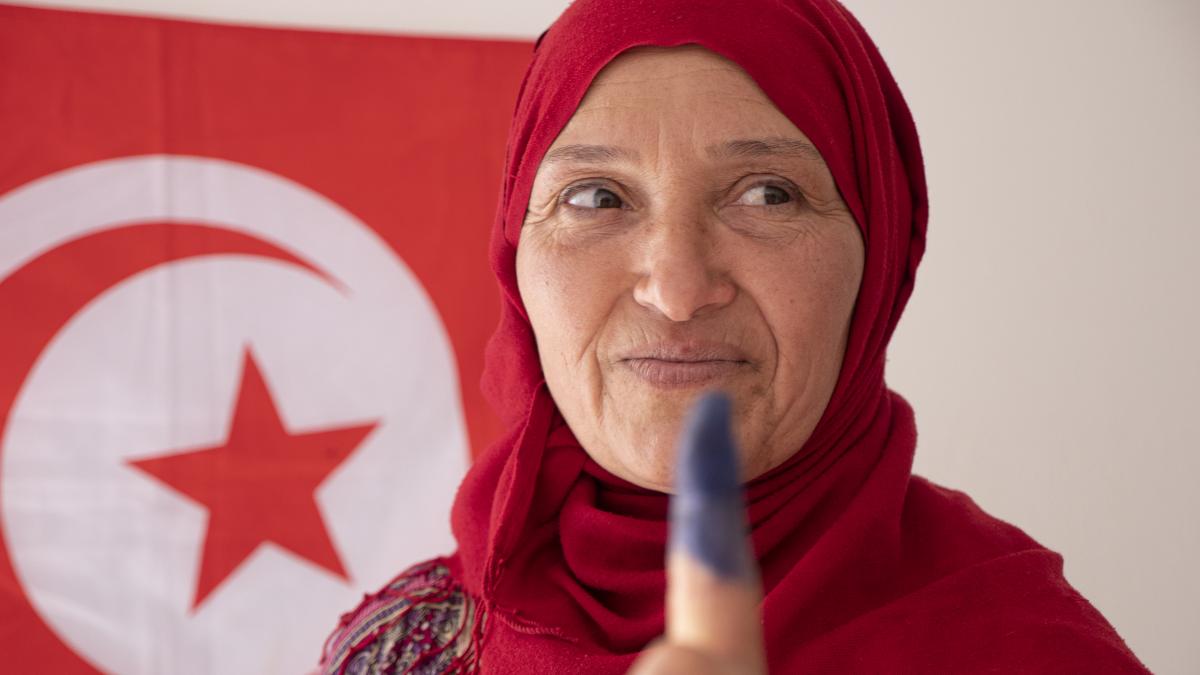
1050	350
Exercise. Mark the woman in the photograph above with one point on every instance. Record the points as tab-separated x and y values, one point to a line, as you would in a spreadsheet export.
713	195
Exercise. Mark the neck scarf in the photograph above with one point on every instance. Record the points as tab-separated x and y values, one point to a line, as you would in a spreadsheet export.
863	565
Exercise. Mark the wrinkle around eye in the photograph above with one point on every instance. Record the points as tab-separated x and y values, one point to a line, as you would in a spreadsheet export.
773	229
559	226
830	207
539	213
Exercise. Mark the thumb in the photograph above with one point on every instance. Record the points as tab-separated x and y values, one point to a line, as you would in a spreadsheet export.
713	590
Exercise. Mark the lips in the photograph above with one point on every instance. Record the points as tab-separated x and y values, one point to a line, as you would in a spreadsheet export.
685	364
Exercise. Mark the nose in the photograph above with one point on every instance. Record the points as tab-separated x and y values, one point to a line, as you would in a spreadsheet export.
681	276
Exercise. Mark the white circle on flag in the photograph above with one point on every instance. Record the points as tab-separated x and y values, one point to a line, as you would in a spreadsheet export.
108	556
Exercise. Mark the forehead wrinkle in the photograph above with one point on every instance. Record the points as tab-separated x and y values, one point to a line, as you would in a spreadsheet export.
602	81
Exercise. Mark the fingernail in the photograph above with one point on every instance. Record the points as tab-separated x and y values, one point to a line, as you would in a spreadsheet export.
708	518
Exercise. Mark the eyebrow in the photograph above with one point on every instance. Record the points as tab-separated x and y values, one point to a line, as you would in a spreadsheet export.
592	154
764	147
737	149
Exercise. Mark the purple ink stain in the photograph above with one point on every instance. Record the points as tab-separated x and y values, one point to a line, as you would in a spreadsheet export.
708	519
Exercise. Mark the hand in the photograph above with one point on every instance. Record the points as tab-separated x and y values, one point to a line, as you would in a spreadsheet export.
713	590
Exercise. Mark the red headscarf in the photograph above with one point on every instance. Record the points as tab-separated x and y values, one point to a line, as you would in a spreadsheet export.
864	567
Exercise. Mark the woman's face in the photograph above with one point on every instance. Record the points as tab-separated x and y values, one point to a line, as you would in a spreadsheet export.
684	235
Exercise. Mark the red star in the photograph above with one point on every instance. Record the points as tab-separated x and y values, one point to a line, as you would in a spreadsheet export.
258	486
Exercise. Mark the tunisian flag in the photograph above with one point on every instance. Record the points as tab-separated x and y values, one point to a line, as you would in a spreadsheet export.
243	301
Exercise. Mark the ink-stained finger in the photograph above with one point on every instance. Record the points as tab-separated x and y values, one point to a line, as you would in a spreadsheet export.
713	593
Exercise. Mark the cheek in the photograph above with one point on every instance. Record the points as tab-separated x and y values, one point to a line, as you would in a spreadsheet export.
568	295
807	298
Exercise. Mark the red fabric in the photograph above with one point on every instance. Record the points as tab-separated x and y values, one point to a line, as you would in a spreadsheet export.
865	568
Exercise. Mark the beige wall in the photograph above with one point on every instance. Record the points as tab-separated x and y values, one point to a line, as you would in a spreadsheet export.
1050	350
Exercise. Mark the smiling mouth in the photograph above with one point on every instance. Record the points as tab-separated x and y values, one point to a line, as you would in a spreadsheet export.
673	374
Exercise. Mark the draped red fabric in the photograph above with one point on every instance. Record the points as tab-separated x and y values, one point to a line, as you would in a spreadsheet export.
865	568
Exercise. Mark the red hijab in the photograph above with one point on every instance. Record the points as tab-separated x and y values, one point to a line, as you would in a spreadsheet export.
864	567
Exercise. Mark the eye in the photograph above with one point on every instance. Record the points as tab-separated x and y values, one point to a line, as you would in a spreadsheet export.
765	195
592	197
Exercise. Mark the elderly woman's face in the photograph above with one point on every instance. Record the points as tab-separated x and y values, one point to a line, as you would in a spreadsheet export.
684	235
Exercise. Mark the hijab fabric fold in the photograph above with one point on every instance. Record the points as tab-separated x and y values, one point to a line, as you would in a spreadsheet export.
865	568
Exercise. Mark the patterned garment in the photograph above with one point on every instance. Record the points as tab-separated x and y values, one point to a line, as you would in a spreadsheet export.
421	622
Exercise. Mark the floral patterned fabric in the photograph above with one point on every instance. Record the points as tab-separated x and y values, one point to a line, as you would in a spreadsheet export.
421	622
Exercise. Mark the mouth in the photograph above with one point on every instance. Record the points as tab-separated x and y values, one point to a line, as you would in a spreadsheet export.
677	374
685	364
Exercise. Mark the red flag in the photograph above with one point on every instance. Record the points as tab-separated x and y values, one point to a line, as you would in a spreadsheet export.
243	301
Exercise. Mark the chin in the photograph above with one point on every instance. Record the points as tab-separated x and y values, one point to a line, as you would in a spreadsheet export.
642	450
